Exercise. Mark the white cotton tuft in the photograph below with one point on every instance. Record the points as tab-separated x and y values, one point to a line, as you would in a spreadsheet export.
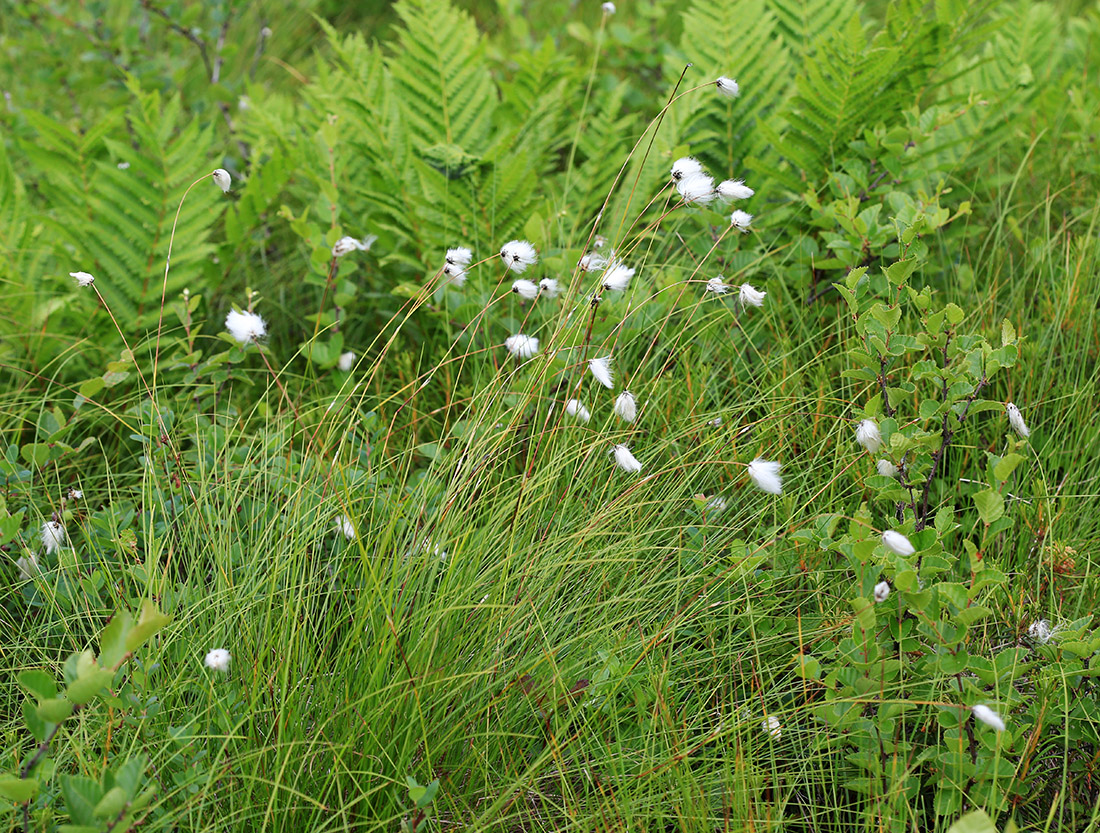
626	406
717	286
765	475
989	717
882	591
886	468
696	188
460	256
716	505
349	244
456	274
897	543
526	289
733	189
245	327
1040	631
750	296
53	536
549	287
27	567
222	179
601	371
608	8
1016	420
740	219
727	86
593	262
218	660
518	255
868	436
83	278
521	346
346	361
576	409
75	494
618	275
625	460
685	166
772	726
345	527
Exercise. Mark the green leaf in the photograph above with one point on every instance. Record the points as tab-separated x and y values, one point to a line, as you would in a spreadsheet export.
898	273
1008	333
81	796
150	621
888	317
18	790
1006	465
112	803
54	710
991	506
112	642
38	683
89	685
976	821
38	727
428	795
955	315
36	454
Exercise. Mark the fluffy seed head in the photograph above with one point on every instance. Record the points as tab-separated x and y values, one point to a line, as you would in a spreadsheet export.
521	346
27	567
83	278
601	371
222	179
625	460
886	468
576	409
456	274
772	726
608	8
349	244
526	289
868	436
727	86
697	188
1040	631
733	189
549	287
765	475
717	286
346	361
1016	420
989	717
617	277
53	536
740	219
716	505
626	407
75	494
245	327
897	543
882	591
460	256
345	527
685	166
518	255
593	262
218	660
750	296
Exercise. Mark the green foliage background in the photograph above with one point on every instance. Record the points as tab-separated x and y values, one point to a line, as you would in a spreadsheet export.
517	636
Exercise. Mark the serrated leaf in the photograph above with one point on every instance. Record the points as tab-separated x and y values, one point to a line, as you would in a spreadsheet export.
991	505
81	796
976	821
39	683
112	803
1006	465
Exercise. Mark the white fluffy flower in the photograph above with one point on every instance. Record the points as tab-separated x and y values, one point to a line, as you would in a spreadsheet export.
886	468
868	436
518	255
750	296
346	361
685	166
740	219
576	409
75	494
345	527
882	591
123	166
456	273
717	286
618	275
83	278
733	189
1040	631
521	346
897	543
349	244
526	289
608	8
245	327
625	460
222	179
626	407
27	567
460	256
716	505
601	371
218	660
772	726
727	86
53	536
696	188
593	262
549	287
765	475
1016	420
989	717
